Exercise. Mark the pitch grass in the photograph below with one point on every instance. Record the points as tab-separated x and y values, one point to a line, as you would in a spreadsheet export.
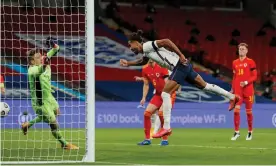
118	146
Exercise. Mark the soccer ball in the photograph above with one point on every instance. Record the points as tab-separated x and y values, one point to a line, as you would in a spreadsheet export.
5	109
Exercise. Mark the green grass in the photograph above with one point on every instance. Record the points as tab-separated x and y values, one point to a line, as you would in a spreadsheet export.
118	146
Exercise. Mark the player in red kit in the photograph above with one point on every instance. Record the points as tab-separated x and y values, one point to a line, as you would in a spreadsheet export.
245	74
2	86
156	75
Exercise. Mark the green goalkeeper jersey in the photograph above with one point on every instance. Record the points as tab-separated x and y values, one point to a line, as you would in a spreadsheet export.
39	78
40	84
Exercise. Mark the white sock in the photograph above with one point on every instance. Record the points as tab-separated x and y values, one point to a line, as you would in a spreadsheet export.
156	124
167	106
218	90
153	118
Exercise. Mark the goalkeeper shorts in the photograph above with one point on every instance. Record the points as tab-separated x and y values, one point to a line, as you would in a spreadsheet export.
47	112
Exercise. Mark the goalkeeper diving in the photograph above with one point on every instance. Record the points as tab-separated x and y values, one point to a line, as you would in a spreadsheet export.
43	102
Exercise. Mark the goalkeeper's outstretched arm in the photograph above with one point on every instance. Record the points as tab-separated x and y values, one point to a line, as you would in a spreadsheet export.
54	50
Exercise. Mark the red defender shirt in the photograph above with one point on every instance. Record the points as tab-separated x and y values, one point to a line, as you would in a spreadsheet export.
156	76
1	81
244	70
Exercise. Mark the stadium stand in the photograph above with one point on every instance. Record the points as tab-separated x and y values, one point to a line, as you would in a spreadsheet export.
193	31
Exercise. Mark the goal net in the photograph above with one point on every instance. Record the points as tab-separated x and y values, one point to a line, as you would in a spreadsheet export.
26	24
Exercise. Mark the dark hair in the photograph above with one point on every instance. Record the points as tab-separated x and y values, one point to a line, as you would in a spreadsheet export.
136	36
31	53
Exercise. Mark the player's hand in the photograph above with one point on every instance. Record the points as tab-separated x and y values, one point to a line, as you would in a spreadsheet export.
243	84
183	60
50	42
123	63
58	112
3	91
142	102
138	78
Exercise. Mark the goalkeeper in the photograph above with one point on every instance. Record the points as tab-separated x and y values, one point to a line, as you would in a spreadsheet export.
43	102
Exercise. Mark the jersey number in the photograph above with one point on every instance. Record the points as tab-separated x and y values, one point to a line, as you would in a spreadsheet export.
240	72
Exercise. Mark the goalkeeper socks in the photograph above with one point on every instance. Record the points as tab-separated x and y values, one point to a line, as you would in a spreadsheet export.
218	90
237	119
249	120
59	137
147	124
167	106
34	121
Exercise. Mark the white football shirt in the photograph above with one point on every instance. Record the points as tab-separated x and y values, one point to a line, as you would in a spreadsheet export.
162	56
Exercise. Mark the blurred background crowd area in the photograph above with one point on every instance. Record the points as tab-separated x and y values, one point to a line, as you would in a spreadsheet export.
207	31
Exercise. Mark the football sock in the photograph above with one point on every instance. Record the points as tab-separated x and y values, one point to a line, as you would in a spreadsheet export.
156	125
167	106
34	121
218	90
147	124
57	135
249	120
237	119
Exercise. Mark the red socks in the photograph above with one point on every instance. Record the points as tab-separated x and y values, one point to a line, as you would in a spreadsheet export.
249	119
147	124
237	119
161	117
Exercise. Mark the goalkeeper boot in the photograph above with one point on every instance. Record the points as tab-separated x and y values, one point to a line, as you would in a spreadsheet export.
24	127
145	142
234	102
69	147
235	136
249	136
164	143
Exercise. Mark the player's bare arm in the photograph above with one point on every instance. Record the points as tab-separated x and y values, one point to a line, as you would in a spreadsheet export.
139	62
168	44
138	79
145	91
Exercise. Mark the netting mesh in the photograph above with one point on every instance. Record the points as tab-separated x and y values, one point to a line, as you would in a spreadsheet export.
25	24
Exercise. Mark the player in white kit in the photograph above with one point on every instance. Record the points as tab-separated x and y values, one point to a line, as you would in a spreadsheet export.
166	54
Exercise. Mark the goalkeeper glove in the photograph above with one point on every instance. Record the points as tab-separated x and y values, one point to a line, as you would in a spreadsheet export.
51	44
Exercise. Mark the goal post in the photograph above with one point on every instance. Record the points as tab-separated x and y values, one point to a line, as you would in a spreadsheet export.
90	83
26	24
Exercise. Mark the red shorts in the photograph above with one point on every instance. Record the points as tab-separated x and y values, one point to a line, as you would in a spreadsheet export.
158	101
248	100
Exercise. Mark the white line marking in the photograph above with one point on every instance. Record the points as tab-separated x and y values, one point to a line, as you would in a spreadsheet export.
106	162
194	146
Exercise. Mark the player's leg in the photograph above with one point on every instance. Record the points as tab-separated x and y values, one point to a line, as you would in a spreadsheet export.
160	112
152	107
50	118
248	107
155	123
201	84
167	106
177	77
237	120
26	125
165	141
